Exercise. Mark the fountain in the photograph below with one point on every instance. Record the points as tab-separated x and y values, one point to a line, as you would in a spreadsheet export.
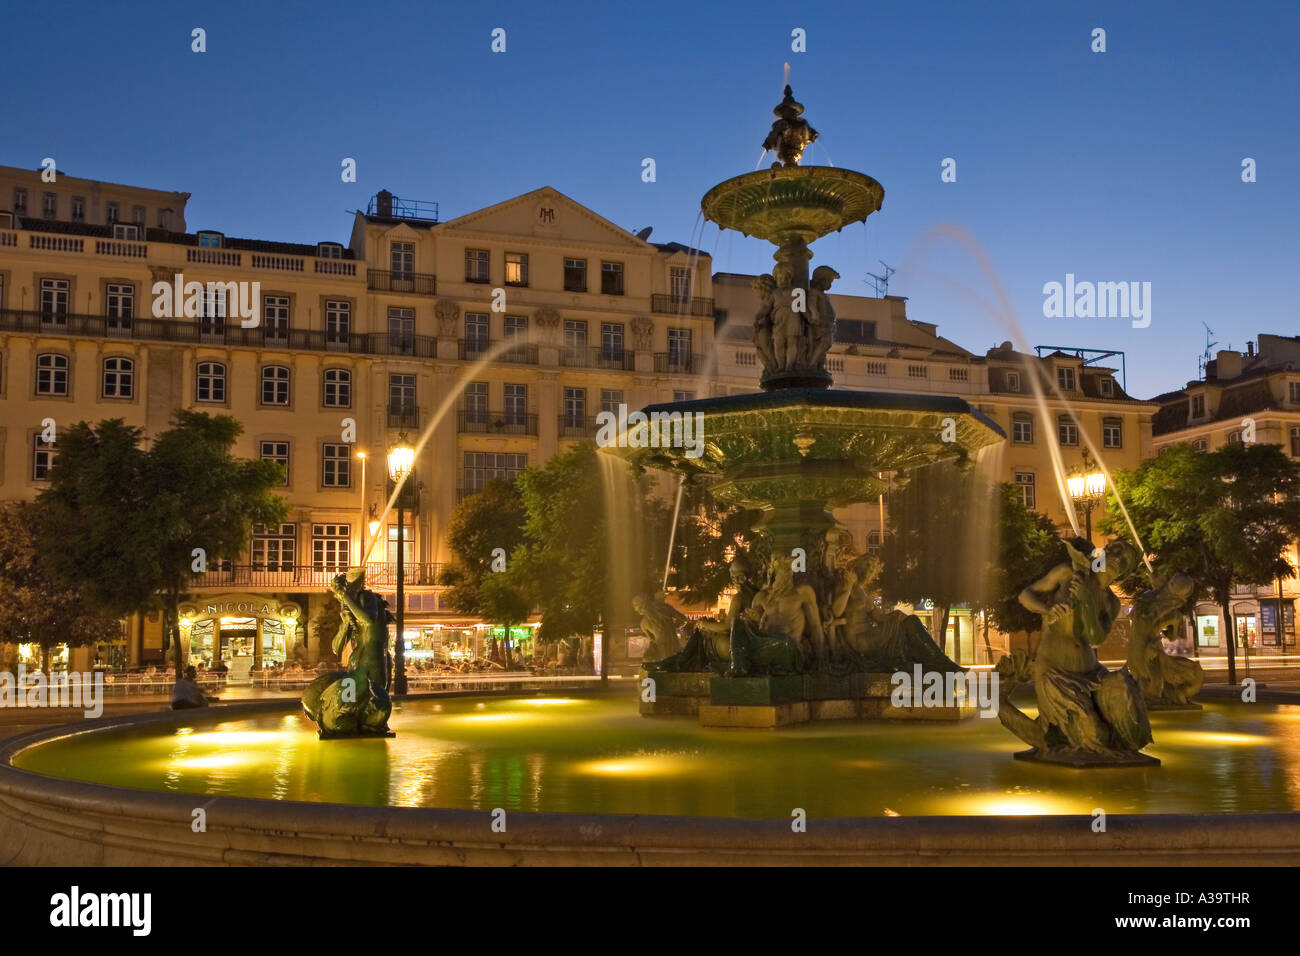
794	452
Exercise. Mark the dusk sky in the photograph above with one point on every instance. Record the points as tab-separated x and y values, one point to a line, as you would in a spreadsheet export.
1122	166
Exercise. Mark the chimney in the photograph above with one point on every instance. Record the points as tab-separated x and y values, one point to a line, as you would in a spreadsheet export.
1227	365
384	204
1250	349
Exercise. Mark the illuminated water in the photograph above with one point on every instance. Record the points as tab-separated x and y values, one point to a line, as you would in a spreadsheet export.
597	755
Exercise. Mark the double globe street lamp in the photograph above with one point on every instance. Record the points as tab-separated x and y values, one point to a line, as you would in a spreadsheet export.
1086	487
401	460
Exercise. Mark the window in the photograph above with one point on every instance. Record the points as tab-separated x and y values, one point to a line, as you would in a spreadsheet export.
331	547
336	466
329	250
50	205
476	333
1198	406
126	231
212	315
112	213
164	219
403	260
137	215
679	282
78	208
516	268
1201	444
1106	386
42	458
575	275
338	321
273	548
478	265
476	402
1025	484
55	294
1294	388
575	337
516	325
854	331
1234	438
1013	381
1295	442
1067	430
337	388
210	382
1112	433
683	396
516	404
611	341
275	385
1065	378
278	452
118	378
51	374
679	349
401	394
275	318
611	278
119	306
208	239
1022	429
407	542
20	201
575	407
483	466
401	330
610	400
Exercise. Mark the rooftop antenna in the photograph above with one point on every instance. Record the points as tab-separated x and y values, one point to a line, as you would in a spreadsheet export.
881	282
1205	356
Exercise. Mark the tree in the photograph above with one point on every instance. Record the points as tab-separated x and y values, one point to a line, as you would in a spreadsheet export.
135	525
484	530
706	528
1224	518
35	607
1028	547
325	627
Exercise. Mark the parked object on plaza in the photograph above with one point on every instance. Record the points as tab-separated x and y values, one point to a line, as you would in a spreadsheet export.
1167	682
355	702
1088	715
186	692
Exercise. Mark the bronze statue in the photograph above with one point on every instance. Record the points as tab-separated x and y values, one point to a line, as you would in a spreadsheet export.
765	287
790	134
1087	715
821	316
660	621
780	629
1164	679
355	702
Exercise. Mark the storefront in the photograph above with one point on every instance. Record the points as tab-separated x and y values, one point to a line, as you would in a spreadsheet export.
1262	626
240	632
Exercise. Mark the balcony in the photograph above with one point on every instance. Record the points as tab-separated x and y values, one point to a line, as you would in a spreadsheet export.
520	355
417	574
411	283
482	422
572	426
403	416
400	343
618	359
679	363
680	305
473	349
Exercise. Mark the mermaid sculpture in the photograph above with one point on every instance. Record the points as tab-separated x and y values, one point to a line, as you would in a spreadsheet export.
1088	715
1166	681
355	702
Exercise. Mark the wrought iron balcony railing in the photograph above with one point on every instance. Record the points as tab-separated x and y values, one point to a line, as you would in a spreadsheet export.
482	422
680	305
412	283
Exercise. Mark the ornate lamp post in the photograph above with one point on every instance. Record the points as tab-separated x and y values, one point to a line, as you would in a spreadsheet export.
1086	487
401	458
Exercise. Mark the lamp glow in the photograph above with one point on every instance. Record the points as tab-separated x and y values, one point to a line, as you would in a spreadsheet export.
401	458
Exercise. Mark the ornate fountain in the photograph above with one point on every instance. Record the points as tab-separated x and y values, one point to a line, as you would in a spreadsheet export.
804	638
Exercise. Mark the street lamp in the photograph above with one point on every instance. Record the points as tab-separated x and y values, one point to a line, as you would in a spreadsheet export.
401	458
361	456
1086	489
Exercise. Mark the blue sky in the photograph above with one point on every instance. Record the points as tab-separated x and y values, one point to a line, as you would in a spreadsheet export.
1115	166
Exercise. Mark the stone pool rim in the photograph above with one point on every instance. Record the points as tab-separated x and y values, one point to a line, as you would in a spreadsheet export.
53	821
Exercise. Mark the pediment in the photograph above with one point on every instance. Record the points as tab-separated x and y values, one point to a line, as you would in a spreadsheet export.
549	215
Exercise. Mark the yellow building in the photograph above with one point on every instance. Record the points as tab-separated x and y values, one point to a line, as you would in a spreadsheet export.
350	346
1244	396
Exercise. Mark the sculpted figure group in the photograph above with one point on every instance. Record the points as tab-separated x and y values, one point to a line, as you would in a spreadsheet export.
830	621
794	327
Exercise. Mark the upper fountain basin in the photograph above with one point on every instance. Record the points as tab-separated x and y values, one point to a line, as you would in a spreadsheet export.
808	443
783	202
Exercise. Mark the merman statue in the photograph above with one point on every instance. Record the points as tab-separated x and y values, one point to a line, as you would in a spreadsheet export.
355	702
1166	681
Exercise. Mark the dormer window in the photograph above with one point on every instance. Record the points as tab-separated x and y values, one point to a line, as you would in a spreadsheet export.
329	250
1065	378
125	230
208	239
1198	406
1013	381
1106	386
